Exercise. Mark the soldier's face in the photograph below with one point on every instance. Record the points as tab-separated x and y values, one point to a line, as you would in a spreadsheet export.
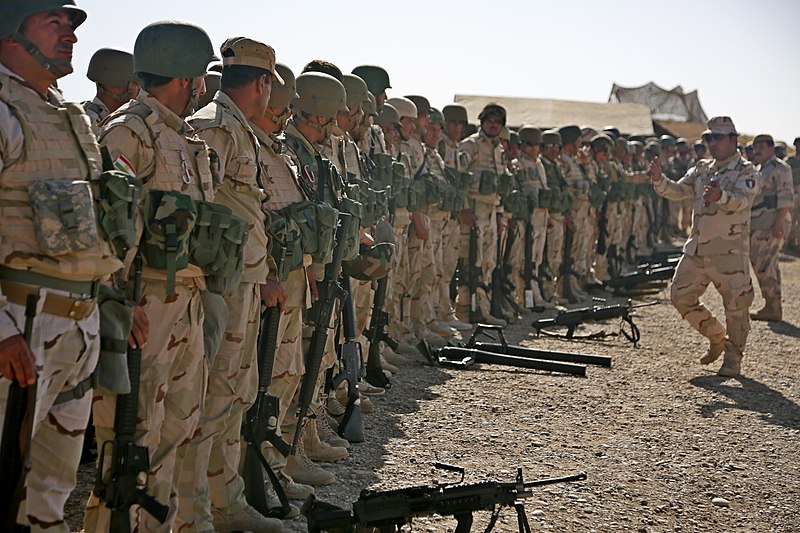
406	127
454	129
531	149
423	123
551	150
432	134
52	33
492	126
762	152
721	148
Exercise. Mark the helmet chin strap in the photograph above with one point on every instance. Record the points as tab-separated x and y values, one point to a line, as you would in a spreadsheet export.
121	98
57	67
191	107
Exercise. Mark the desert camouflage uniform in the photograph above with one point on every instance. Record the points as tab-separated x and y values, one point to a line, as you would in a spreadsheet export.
578	185
38	142
210	475
555	227
717	250
97	111
639	224
481	153
775	194
794	233
166	155
281	184
611	172
398	287
451	238
682	166
533	180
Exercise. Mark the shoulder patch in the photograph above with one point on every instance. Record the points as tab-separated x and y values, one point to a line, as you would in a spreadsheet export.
750	183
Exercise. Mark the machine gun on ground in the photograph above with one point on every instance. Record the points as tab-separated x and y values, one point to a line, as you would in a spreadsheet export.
463	356
573	318
389	510
648	277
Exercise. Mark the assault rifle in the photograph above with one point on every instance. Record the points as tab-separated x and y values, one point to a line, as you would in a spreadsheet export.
388	510
527	271
15	446
329	292
261	424
503	290
351	426
473	274
573	318
647	276
378	322
130	463
566	266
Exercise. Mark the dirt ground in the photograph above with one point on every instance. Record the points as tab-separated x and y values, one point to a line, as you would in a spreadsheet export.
659	435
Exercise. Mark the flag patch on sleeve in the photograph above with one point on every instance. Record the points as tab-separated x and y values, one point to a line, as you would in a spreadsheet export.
750	183
123	165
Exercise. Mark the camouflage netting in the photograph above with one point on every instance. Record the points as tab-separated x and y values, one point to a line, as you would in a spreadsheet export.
665	104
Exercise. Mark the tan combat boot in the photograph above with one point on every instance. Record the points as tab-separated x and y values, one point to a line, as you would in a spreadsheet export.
715	349
770	312
326	432
302	470
316	450
248	519
731	366
292	489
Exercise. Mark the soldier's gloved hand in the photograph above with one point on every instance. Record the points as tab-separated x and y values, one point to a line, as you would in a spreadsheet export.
273	293
655	171
17	362
140	329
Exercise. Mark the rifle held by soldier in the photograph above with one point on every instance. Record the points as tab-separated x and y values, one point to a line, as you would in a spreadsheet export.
379	321
351	426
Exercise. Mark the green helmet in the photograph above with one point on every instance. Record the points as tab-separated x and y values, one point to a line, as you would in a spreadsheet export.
422	103
14	12
357	92
455	113
530	134
173	49
551	137
404	106
283	93
213	82
372	263
376	78
493	110
515	139
437	117
319	94
112	67
602	142
388	116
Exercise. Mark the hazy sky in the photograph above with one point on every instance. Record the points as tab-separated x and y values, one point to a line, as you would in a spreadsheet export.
740	56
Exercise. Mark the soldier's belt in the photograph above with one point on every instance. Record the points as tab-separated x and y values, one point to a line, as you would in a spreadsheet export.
54	304
88	289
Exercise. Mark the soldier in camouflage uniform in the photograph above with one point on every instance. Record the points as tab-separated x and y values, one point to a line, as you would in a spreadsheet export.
483	155
770	220
210	482
377	80
558	213
601	146
43	140
642	191
717	250
683	162
112	71
794	163
149	137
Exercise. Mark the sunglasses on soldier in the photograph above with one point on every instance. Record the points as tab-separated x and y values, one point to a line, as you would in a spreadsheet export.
716	136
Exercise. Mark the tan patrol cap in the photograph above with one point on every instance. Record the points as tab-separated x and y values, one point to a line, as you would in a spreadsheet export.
763	138
248	52
723	125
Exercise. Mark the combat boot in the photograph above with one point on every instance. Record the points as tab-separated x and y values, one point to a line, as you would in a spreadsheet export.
715	349
292	489
438	329
334	407
326	432
316	450
456	324
248	519
770	312
731	366
366	405
390	356
302	470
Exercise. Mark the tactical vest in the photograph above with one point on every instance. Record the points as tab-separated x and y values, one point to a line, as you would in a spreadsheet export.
180	162
59	146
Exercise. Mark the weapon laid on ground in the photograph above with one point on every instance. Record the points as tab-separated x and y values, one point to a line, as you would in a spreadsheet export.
646	277
261	425
15	446
351	426
376	333
462	356
388	510
573	318
329	292
130	463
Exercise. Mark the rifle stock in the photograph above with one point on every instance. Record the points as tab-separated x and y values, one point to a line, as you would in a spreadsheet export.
351	426
376	333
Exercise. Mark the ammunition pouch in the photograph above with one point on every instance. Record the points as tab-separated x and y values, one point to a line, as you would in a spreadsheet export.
120	196
285	242
567	201
317	226
516	203
353	237
400	185
64	216
487	183
169	221
505	183
382	175
417	191
627	191
596	195
116	319
211	223
548	198
615	192
223	275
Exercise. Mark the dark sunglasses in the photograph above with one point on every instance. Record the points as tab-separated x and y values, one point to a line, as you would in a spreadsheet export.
716	136
493	120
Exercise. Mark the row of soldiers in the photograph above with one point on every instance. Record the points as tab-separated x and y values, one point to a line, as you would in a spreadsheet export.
207	204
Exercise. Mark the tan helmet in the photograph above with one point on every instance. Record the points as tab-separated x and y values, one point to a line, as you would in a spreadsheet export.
283	92
388	116
319	94
455	113
530	135
404	106
370	107
111	67
356	89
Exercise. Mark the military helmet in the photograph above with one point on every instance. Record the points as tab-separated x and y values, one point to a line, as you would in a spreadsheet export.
370	107
112	67
505	134
437	117
213	83
602	142
173	49
356	89
455	113
319	94
569	134
637	147
282	93
387	116
422	103
14	12
493	109
612	131
551	137
404	106
515	139
682	140
653	147
376	78
530	135
372	263
667	140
